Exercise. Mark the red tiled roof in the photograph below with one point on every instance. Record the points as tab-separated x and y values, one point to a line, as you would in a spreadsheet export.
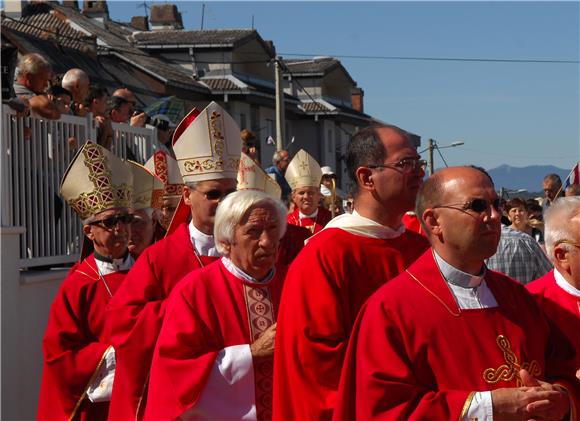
221	84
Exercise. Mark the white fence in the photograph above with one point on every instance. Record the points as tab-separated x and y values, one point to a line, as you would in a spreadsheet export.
35	154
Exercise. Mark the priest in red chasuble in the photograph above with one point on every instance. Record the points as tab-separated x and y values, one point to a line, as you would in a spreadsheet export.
252	177
448	339
340	268
79	362
147	201
213	358
558	292
303	175
208	150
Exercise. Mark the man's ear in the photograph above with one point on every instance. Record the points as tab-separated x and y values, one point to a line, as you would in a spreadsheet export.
186	195
431	221
88	232
561	256
364	178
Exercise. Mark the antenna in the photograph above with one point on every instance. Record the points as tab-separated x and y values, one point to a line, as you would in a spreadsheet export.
146	6
252	21
202	14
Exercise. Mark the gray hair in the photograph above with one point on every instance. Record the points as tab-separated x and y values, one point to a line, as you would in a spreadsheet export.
72	77
234	207
32	64
557	225
277	157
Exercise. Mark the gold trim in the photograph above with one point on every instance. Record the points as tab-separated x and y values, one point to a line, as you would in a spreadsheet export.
510	370
138	411
80	401
466	406
434	295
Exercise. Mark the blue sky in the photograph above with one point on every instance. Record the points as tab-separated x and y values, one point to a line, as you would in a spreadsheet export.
506	112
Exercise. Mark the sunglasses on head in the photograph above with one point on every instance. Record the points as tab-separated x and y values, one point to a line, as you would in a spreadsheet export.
214	194
112	221
476	205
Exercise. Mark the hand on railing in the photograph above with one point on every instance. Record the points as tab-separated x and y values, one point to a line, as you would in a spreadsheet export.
138	120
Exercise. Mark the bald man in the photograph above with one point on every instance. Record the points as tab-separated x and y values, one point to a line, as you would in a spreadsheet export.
77	82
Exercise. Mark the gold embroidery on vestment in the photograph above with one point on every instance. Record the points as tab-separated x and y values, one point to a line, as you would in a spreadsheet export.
510	370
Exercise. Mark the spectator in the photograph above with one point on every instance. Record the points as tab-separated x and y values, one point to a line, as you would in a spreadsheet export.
77	82
96	103
518	216
249	145
61	98
552	186
32	78
572	190
281	159
122	110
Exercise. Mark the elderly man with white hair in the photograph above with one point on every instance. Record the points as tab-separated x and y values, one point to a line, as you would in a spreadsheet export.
558	292
77	82
214	355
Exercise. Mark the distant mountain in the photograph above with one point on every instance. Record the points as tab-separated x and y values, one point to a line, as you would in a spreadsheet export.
529	178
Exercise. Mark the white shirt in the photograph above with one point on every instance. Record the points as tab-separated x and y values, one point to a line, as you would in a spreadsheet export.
203	244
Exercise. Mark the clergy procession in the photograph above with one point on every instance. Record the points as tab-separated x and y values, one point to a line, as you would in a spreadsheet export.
201	295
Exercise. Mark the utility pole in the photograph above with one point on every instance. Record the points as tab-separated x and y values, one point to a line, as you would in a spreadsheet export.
202	14
280	121
430	156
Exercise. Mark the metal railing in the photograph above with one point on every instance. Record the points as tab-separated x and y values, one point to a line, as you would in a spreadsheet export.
35	154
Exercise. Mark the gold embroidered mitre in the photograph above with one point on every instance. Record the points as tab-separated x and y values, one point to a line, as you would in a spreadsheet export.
209	148
252	177
165	167
147	188
95	181
303	171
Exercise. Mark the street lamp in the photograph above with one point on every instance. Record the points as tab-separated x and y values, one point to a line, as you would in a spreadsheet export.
434	145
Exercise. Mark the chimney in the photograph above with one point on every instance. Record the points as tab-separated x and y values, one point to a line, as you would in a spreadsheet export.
164	17
96	10
140	22
73	4
13	9
357	95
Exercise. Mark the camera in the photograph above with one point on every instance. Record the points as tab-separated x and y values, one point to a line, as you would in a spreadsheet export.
159	123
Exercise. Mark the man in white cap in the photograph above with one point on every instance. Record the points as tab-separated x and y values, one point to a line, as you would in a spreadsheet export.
207	147
340	268
303	175
165	167
147	192
79	363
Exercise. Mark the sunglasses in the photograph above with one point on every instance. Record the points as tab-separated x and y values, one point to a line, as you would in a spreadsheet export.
476	205
215	195
406	165
113	221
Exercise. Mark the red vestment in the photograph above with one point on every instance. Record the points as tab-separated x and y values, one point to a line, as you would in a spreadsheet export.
136	313
291	243
415	355
411	222
207	313
313	224
75	342
562	310
325	287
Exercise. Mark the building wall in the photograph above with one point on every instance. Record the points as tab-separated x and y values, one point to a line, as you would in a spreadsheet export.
253	60
26	300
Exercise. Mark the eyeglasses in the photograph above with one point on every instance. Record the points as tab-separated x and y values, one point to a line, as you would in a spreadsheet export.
215	195
476	205
572	243
112	221
405	164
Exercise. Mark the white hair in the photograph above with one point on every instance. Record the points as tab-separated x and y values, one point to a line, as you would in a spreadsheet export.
557	226
234	207
72	77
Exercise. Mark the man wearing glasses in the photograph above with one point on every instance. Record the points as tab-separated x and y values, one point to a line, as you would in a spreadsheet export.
558	292
208	154
79	362
340	267
449	339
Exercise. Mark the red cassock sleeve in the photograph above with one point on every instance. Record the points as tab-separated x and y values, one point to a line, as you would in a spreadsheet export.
183	359
377	363
325	287
135	315
72	350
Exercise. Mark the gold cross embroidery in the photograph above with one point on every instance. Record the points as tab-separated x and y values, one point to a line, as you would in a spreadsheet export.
510	370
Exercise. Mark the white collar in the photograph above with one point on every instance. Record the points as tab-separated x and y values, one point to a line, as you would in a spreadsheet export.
565	285
312	215
240	274
364	227
456	276
117	265
203	244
